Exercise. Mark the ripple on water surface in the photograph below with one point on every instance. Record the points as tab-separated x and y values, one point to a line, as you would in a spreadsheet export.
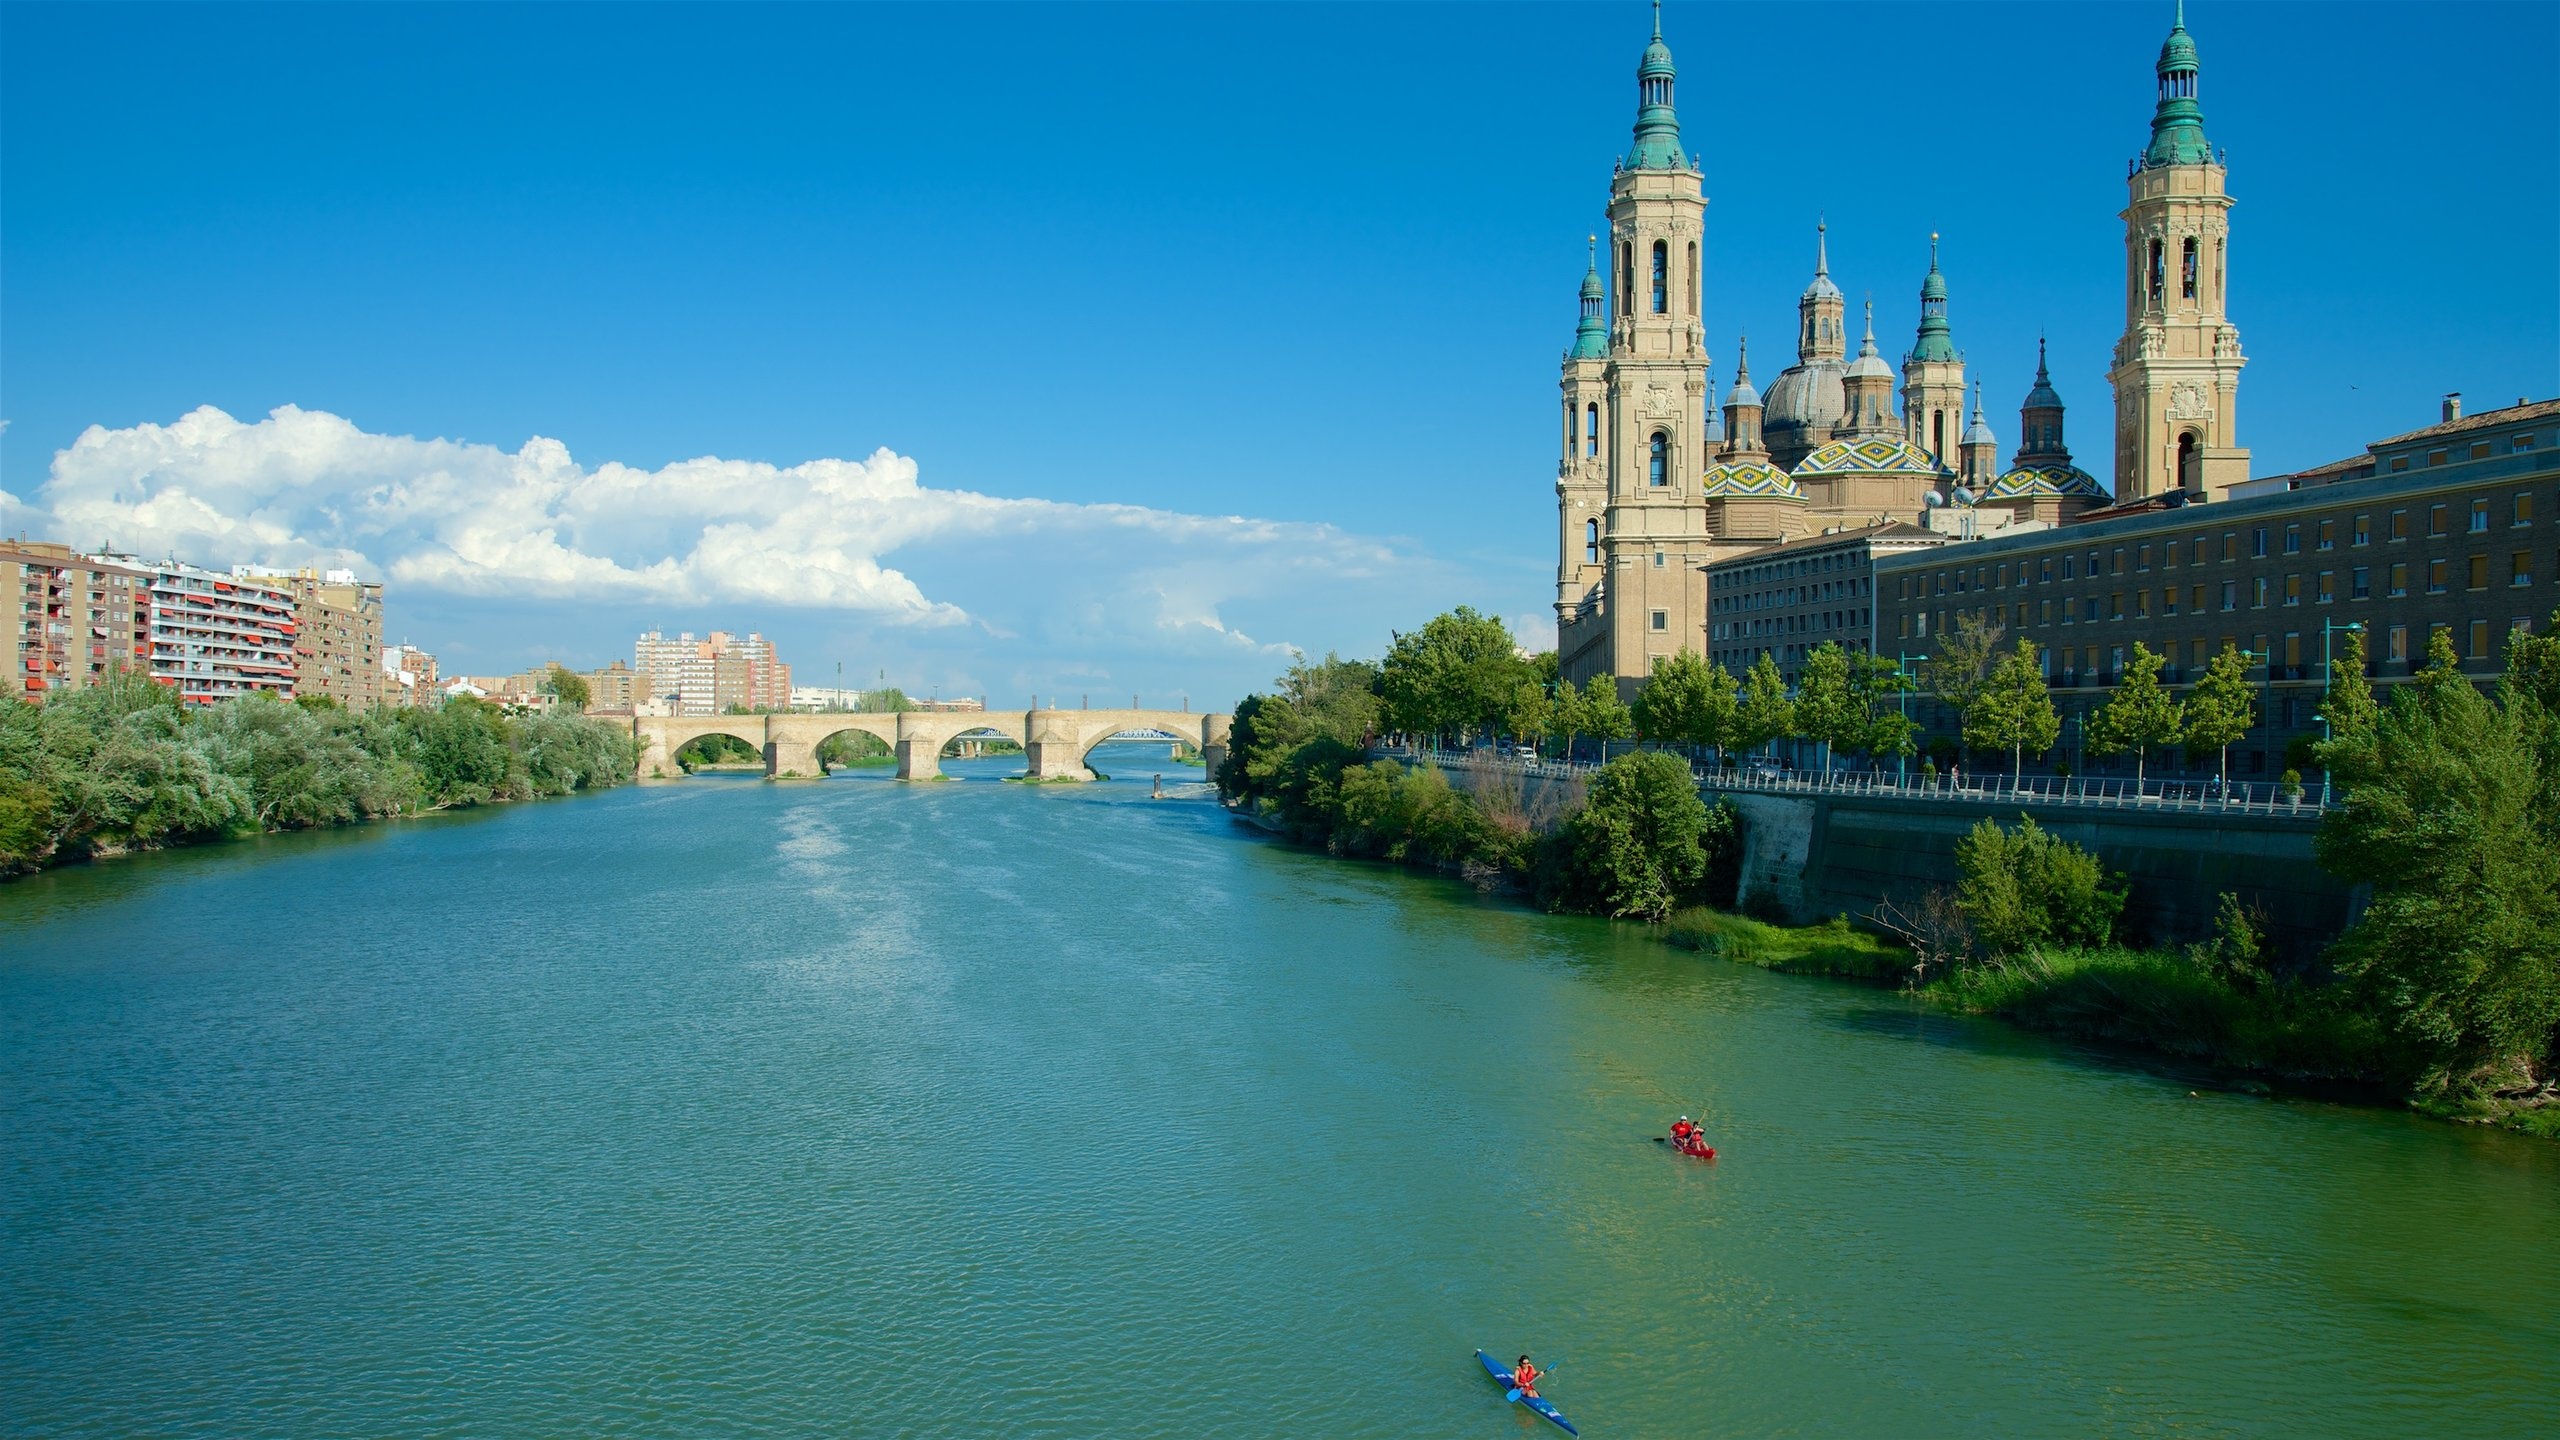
975	1109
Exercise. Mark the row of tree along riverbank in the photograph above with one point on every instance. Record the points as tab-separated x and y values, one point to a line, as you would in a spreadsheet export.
2446	992
123	765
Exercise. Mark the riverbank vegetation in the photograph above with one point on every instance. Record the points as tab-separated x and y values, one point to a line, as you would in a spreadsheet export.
2445	992
123	765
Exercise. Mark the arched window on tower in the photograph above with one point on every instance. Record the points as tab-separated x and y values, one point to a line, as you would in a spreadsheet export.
2187	269
1658	467
1591	429
1590	542
1661	278
2157	278
2190	470
1938	434
1626	278
1697	280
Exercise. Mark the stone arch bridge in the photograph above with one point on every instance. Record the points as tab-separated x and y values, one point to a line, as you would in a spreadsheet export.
1054	742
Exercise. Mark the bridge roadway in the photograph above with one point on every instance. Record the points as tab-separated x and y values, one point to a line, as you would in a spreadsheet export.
1055	743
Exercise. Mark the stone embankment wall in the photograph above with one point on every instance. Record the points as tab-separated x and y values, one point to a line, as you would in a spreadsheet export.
1821	855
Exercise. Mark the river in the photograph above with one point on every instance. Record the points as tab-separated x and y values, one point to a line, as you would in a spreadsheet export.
973	1109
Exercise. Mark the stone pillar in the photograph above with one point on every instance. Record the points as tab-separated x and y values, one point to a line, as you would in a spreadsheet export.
657	761
919	749
1052	749
1213	742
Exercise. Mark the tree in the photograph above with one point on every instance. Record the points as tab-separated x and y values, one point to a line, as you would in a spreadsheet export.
2138	715
2022	888
1532	713
1454	675
2349	710
1681	703
1824	711
2220	709
1596	711
1959	664
568	687
1337	697
1642	843
1876	687
2014	710
2449	818
1763	713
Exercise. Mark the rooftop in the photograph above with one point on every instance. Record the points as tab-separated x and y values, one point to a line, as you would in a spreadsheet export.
2522	410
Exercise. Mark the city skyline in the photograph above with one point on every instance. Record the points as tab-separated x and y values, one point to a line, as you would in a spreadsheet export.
1057	518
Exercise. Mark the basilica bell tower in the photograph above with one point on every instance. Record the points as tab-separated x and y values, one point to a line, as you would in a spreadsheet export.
2177	369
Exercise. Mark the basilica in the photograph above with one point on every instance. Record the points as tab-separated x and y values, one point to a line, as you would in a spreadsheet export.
1657	480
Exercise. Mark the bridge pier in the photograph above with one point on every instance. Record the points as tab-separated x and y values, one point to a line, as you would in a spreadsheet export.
1213	742
1053	750
657	762
789	759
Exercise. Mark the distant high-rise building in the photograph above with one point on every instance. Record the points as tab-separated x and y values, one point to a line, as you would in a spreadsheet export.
69	619
337	639
713	675
218	637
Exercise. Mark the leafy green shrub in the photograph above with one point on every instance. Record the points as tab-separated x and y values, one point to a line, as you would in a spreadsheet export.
1642	843
2023	889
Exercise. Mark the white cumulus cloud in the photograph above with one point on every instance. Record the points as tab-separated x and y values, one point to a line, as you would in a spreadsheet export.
736	537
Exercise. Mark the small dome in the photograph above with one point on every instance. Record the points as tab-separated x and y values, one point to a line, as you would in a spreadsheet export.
1869	364
1804	402
1748	480
1657	61
2045	482
1978	433
1741	393
2178	52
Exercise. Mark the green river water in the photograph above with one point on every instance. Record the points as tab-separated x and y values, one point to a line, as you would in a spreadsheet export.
866	1109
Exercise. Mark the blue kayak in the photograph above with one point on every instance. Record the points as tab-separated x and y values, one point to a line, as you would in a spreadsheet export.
1502	1377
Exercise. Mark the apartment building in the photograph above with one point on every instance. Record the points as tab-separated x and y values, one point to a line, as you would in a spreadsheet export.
613	690
713	675
69	619
337	642
217	637
1788	599
2444	529
408	676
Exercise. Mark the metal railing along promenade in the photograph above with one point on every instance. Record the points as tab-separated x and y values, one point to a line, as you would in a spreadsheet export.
2187	796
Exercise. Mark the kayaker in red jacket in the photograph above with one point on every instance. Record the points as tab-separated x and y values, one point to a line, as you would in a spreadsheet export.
1684	1134
1525	1376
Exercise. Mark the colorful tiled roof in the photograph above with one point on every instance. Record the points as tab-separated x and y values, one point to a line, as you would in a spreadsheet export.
1749	479
2045	482
1869	456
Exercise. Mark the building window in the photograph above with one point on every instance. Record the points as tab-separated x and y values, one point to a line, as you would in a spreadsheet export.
2070	567
1661	619
2258	589
2479	517
2399	463
2520	568
2328	534
1658	467
2293	539
1657	559
1591	429
1661	278
2479	640
1695	284
2156	277
1590	542
2396	643
2399	524
2195	599
2293	589
2362	531
2169	600
2187	269
2089	609
2258	543
2169	555
2436	520
2115	606
2435	577
2230	594
2399	580
2520	509
2523	443
2359	584
2479	449
2435	457
2479	573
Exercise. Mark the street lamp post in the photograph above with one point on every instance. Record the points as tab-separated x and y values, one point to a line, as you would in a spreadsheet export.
1902	697
2327	669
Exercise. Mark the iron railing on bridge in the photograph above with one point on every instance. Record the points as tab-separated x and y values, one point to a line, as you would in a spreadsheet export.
2195	796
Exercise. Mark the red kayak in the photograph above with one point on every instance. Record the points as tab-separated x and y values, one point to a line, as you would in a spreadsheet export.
1699	1152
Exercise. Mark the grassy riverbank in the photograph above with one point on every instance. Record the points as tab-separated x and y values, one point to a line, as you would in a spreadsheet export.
2309	1038
123	766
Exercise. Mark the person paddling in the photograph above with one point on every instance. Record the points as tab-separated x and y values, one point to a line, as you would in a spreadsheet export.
1684	1134
1525	1377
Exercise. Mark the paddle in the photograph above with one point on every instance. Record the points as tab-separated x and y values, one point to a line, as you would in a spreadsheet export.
1513	1394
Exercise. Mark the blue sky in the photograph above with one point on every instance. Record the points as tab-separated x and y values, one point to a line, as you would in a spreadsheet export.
1097	278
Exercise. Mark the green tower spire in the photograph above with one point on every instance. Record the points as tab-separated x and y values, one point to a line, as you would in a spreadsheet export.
2177	122
1934	342
1591	337
1657	127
